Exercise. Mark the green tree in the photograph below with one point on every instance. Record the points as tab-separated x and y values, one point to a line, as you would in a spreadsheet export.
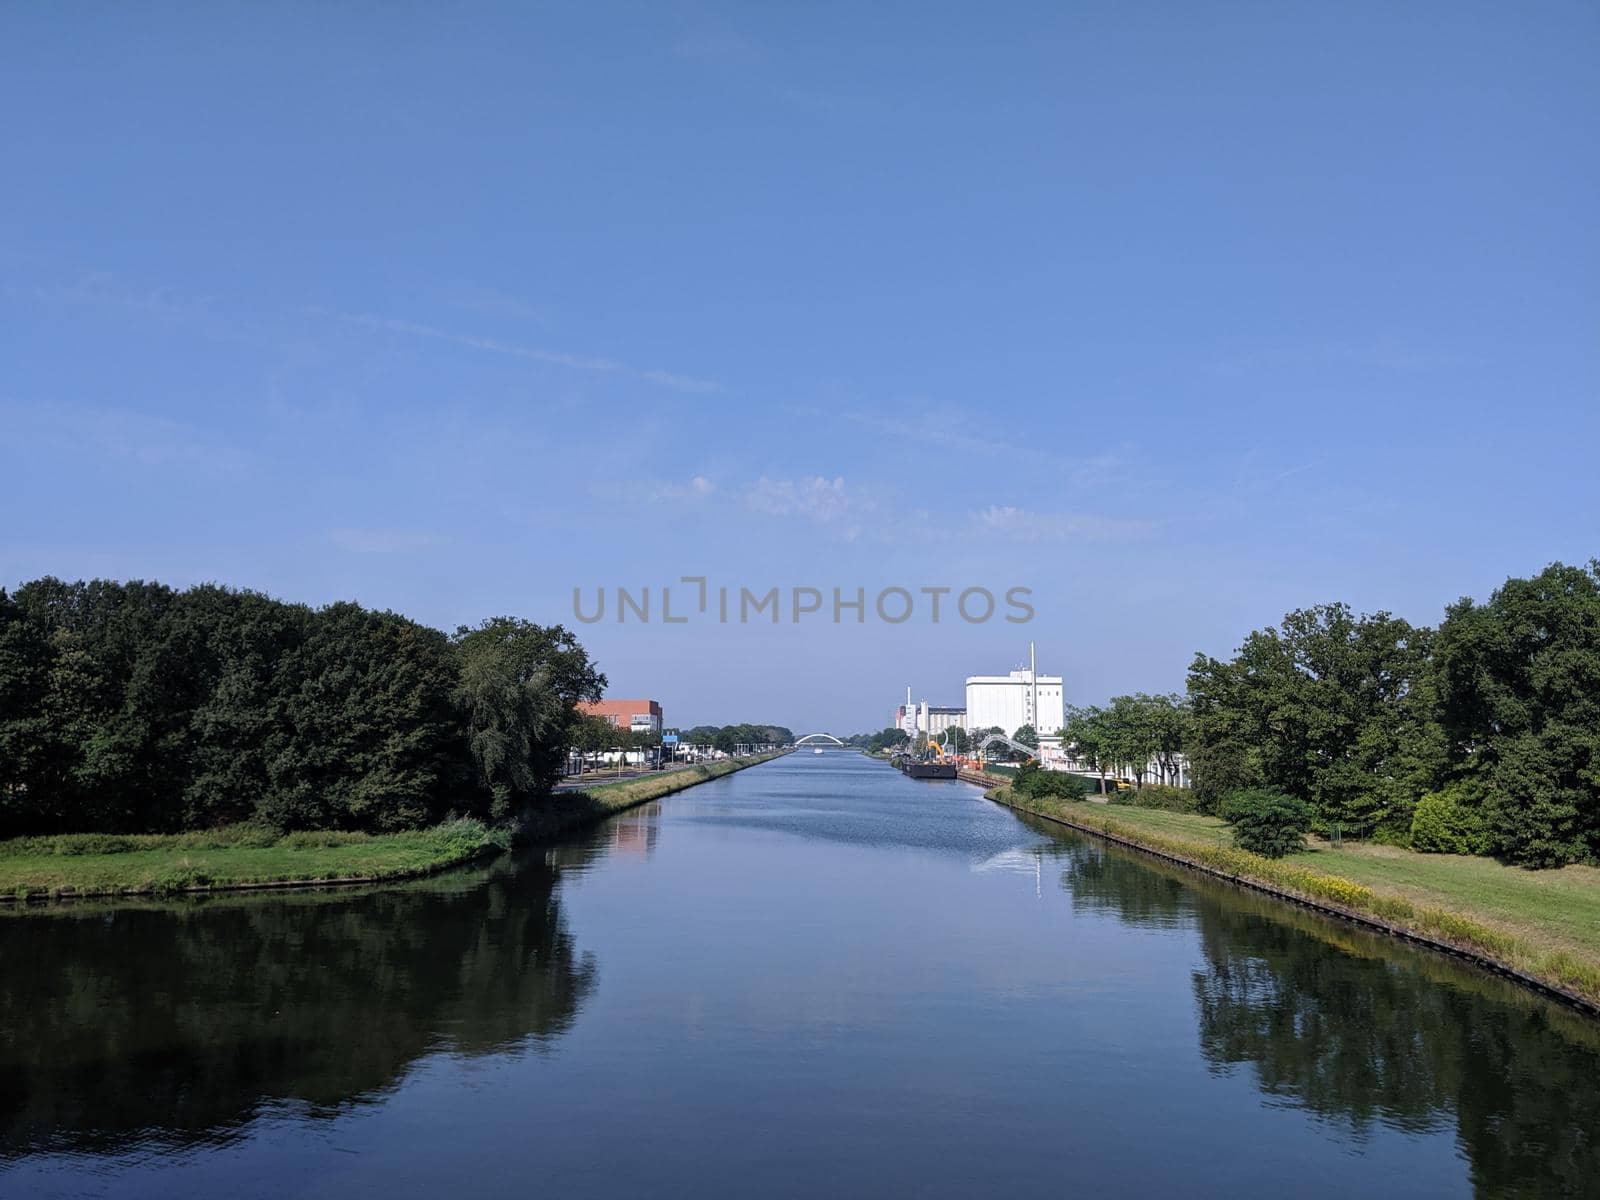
1518	682
1218	769
888	738
114	706
26	738
1168	720
1333	709
1268	823
519	687
1450	821
130	707
1087	733
1027	735
240	643
370	737
1129	735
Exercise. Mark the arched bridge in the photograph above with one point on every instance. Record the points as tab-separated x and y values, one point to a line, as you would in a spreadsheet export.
812	738
1001	739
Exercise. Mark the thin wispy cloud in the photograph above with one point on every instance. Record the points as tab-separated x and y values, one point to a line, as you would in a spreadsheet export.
831	505
840	509
955	430
383	541
698	488
949	429
576	362
1260	468
813	497
1026	525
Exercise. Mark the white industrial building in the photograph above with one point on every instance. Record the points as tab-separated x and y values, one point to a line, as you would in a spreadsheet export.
931	719
1024	697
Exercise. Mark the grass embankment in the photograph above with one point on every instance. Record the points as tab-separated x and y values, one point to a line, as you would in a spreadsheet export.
1543	924
572	810
95	864
90	864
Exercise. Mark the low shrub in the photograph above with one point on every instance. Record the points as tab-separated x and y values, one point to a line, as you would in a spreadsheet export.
468	836
1158	795
1034	782
91	843
1267	823
177	880
323	839
1450	822
70	845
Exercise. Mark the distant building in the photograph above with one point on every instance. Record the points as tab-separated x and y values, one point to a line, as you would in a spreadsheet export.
636	716
1010	701
932	719
1065	758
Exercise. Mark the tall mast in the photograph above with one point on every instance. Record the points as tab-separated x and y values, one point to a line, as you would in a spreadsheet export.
1033	680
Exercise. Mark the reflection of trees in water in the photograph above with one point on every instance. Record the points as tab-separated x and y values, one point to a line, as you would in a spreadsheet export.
1359	1029
1100	881
1340	1034
171	1022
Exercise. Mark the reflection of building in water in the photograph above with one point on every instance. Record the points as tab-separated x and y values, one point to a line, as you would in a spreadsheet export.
1021	861
635	833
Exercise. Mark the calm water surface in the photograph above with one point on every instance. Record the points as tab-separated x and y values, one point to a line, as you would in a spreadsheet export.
814	977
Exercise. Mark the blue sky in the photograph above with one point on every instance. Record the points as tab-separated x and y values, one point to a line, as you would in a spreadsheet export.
1180	315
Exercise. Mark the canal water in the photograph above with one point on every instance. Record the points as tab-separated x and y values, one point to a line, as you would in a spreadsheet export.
811	978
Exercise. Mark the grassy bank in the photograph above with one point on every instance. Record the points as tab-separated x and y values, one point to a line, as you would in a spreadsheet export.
71	865
573	810
1543	924
159	864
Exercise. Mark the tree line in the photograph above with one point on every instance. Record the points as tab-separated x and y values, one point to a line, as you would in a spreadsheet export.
1131	732
726	737
888	738
137	707
1481	736
592	735
955	739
